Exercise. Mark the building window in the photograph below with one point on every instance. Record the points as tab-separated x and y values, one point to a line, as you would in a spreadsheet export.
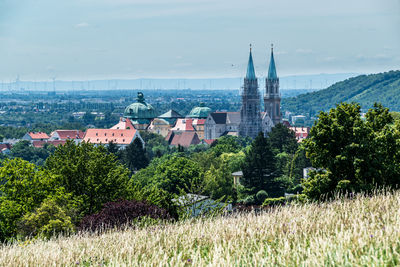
97	134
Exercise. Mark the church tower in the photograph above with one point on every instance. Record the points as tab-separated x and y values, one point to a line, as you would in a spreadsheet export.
272	98
250	119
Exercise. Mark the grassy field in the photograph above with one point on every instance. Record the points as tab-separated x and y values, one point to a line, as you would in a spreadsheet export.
364	231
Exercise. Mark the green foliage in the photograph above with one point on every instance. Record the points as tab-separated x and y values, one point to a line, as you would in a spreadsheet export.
179	173
261	196
229	144
90	173
135	155
259	168
300	198
218	181
352	153
283	139
363	89
47	220
156	145
24	149
22	188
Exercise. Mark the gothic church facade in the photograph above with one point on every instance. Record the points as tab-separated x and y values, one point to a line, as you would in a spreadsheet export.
252	120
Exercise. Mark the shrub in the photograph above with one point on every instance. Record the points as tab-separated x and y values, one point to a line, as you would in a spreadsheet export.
48	220
300	198
261	196
122	213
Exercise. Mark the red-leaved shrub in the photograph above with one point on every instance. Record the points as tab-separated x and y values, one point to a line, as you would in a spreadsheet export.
120	214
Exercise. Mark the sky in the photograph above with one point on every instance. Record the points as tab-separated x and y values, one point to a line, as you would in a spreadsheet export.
104	39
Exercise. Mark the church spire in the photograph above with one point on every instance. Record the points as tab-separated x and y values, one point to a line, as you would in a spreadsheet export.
250	75
272	68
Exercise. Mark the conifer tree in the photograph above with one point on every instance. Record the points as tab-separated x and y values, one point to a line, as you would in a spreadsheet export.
259	168
135	155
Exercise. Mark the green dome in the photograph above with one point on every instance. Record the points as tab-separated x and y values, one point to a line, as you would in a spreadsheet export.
199	112
140	110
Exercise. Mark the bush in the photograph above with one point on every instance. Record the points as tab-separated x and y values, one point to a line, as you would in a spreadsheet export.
261	196
122	213
48	220
274	201
300	198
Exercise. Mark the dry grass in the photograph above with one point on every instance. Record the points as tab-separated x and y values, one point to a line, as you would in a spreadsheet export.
364	231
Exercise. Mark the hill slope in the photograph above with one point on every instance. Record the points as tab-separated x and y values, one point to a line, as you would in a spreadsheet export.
364	231
364	89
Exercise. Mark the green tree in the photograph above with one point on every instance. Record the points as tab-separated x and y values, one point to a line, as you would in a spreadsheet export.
112	148
88	118
283	139
228	144
351	153
90	173
24	149
177	174
259	169
23	186
135	155
218	181
47	220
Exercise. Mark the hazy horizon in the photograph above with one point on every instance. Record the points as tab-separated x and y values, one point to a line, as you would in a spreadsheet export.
158	39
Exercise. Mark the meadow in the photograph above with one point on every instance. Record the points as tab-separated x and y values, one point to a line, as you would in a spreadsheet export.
362	231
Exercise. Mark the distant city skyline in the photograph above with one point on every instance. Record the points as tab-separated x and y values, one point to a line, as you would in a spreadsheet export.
131	39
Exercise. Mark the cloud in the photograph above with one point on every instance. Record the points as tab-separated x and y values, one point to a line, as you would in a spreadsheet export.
82	25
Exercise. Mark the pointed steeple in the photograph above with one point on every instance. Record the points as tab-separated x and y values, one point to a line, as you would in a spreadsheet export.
250	75
272	68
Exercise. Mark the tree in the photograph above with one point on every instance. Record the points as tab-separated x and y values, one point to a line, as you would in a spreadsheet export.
259	168
218	181
353	154
24	149
88	118
156	145
89	173
23	186
179	174
135	155
228	144
112	148
283	139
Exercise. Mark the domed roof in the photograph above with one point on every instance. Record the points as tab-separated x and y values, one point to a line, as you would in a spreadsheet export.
140	109
199	112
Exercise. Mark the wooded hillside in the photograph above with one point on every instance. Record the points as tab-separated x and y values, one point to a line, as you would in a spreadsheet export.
363	89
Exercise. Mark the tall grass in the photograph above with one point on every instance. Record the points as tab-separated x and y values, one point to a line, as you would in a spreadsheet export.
363	231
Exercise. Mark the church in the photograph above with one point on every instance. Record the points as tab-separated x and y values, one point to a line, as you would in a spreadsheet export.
250	120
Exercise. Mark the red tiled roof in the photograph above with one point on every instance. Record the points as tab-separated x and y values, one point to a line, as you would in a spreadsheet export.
189	125
38	135
300	132
185	139
104	136
69	134
3	146
209	141
183	125
124	123
200	121
39	144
